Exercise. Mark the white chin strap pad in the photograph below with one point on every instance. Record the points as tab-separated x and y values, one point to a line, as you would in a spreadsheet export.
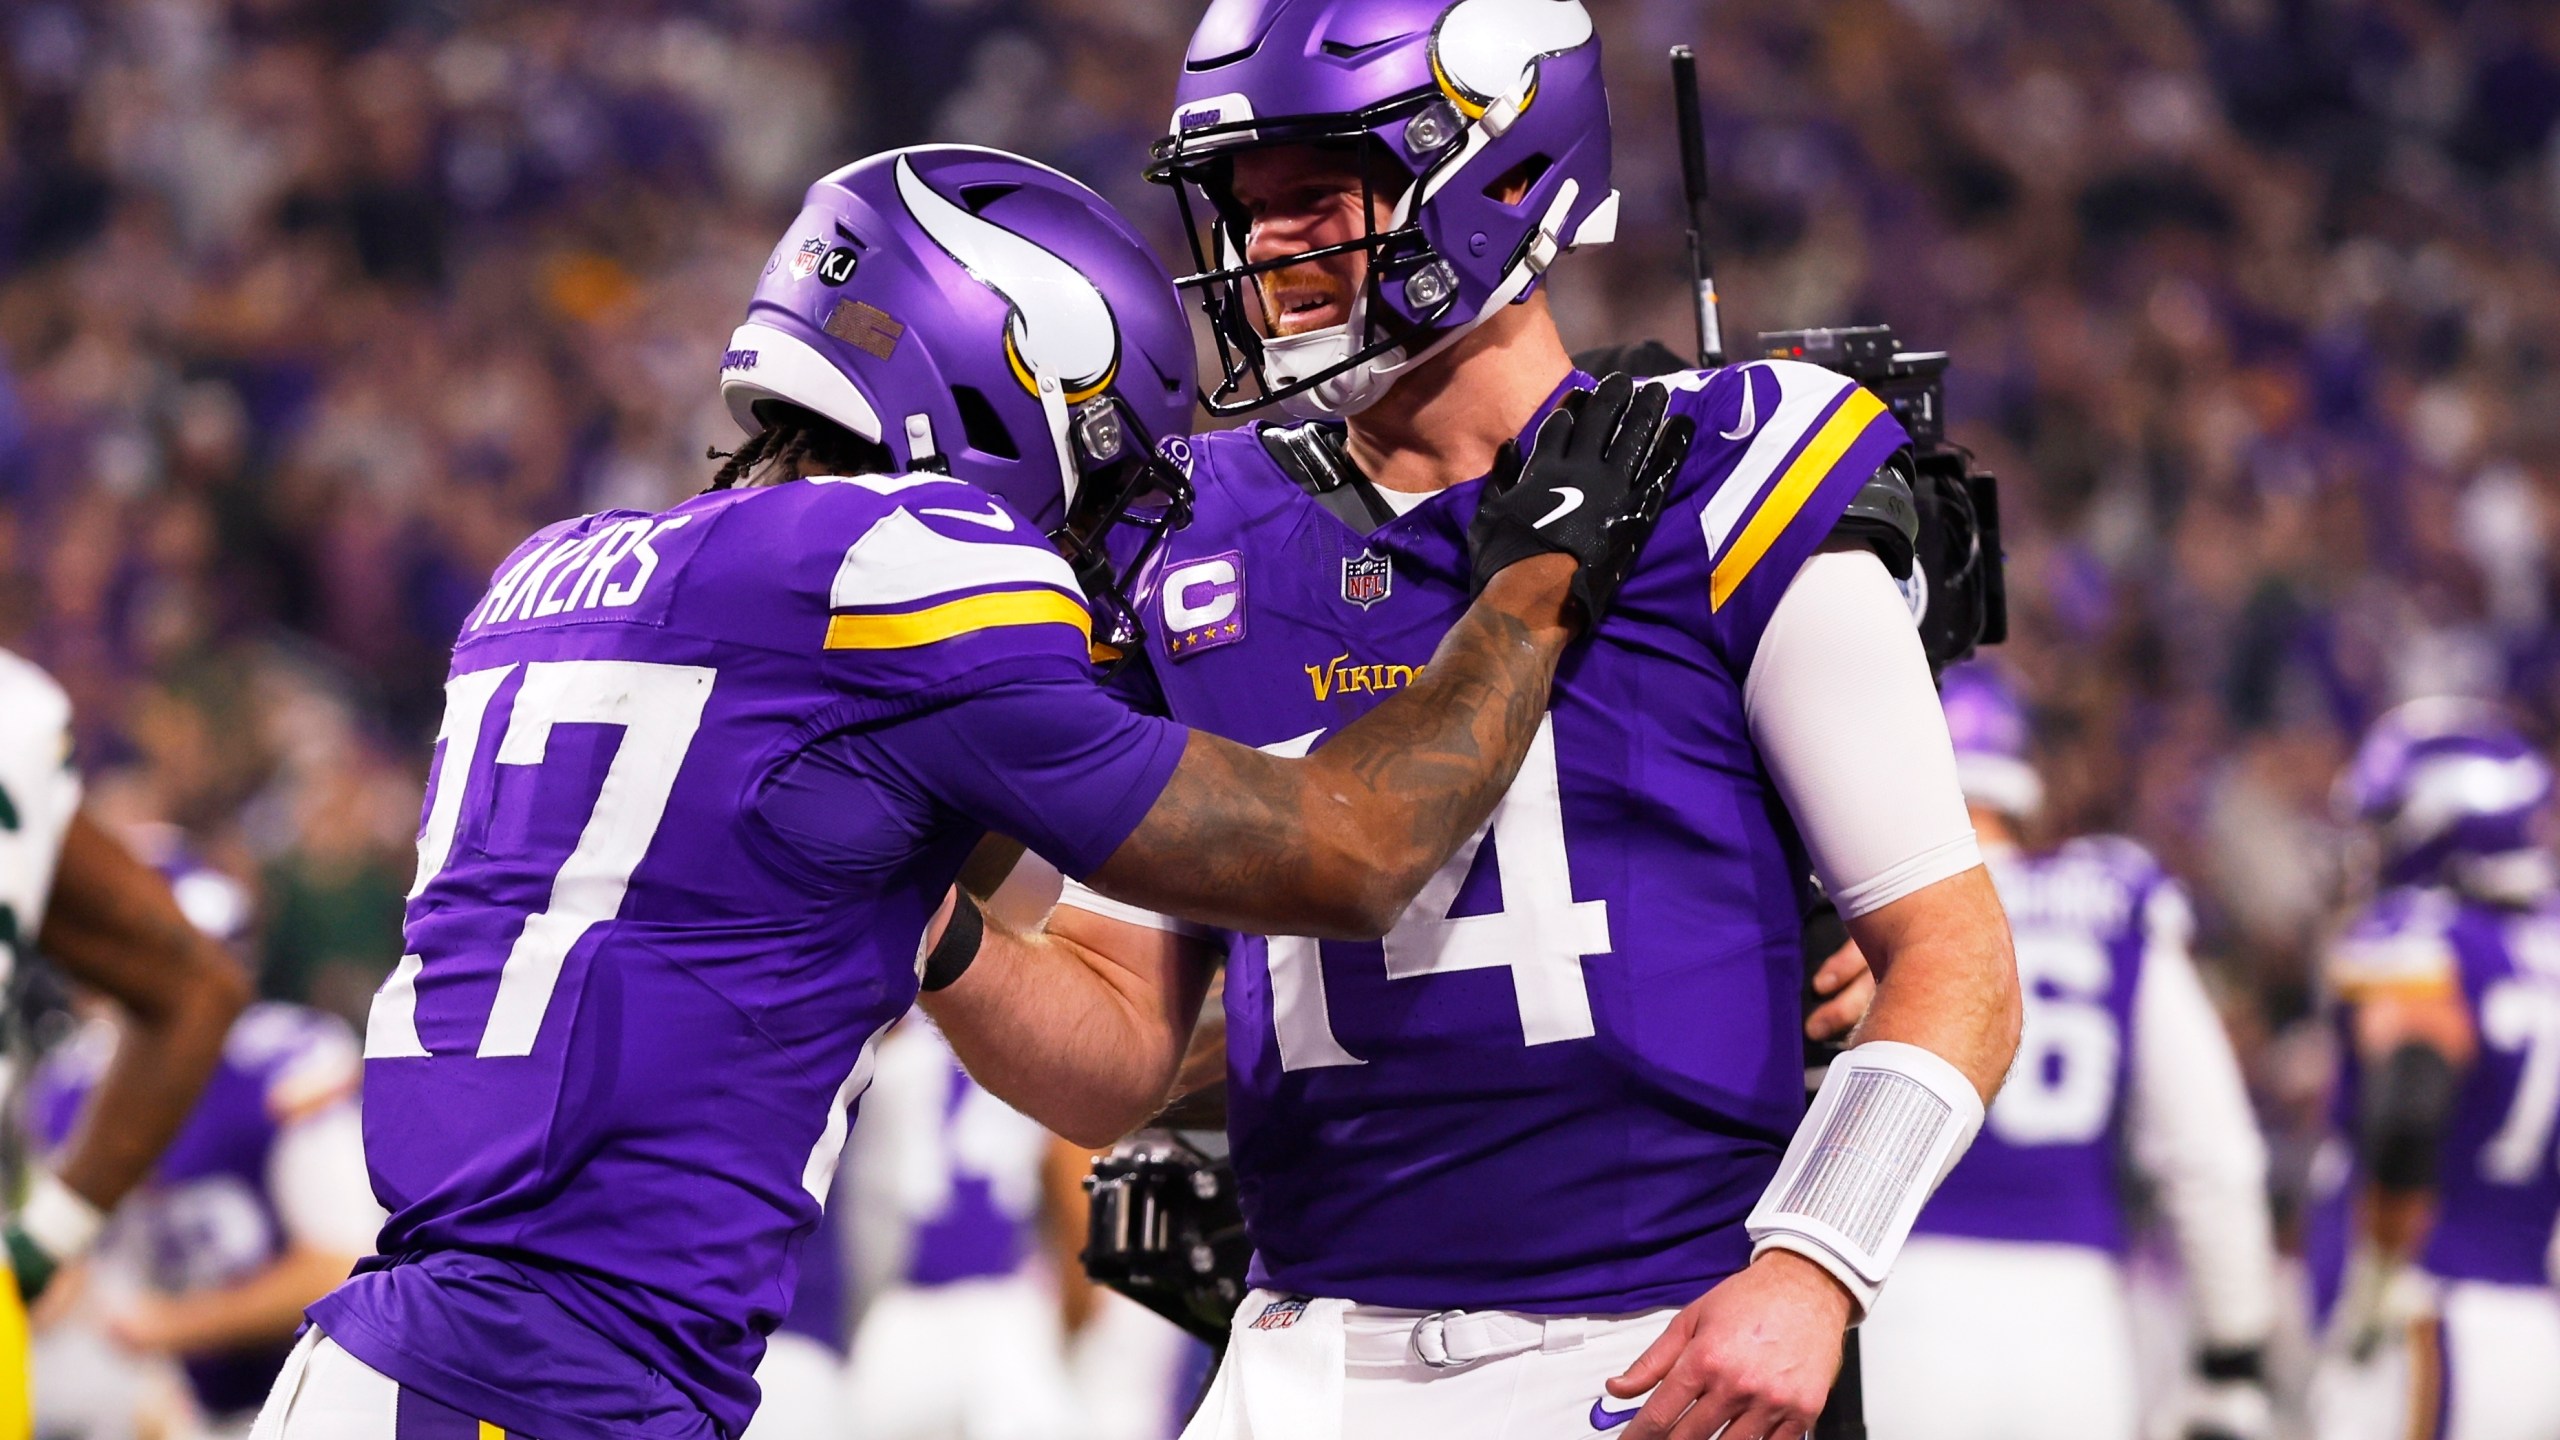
1888	1124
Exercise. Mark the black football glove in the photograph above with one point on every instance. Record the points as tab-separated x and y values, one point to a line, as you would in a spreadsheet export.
1591	488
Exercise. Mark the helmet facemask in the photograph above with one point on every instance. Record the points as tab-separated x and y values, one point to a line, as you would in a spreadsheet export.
1124	483
1407	294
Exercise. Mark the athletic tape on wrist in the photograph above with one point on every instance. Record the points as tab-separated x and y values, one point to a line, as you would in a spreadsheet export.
59	1219
950	956
1889	1122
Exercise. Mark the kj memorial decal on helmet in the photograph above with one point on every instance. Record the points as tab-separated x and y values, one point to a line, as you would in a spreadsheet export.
994	320
1484	121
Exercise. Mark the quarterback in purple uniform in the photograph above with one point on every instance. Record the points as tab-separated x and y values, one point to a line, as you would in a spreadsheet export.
704	775
2008	1317
1507	1170
2431	1257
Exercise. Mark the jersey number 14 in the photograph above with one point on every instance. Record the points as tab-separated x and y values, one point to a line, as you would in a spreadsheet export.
1540	934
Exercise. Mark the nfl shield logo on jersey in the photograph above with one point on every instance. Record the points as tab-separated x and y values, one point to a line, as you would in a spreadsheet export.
1280	1314
805	264
1367	578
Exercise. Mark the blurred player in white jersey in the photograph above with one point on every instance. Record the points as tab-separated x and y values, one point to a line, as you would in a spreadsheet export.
2431	1252
2008	1317
71	891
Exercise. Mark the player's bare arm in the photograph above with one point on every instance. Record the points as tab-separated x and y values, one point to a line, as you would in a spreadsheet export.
1120	1003
111	924
1761	1348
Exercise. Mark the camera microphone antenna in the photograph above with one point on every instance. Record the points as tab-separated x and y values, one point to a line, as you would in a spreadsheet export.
1693	177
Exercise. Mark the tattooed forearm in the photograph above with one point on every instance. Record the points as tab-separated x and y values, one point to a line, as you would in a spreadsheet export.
1337	844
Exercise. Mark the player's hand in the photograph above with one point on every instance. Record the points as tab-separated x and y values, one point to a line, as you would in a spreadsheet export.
1754	1357
145	1327
1848	988
1591	488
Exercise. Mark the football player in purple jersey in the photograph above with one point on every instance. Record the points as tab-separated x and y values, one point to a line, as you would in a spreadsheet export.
2431	1252
1539	1161
70	891
703	776
258	1206
2008	1318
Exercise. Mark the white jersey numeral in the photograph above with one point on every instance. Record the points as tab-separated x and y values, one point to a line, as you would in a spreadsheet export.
658	708
2062	1087
1541	934
2523	1014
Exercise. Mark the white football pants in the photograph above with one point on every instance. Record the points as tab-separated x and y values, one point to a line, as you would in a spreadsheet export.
2489	1371
1993	1340
324	1393
1338	1371
803	1381
972	1360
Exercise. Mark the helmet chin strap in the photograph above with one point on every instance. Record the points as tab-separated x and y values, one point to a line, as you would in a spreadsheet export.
1053	406
1365	384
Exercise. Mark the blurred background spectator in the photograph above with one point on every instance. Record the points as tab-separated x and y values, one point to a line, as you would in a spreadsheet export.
310	309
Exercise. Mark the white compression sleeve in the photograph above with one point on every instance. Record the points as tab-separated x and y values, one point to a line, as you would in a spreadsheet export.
2192	1132
1845	715
317	1174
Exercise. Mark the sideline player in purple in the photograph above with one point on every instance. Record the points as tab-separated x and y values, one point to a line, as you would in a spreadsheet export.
703	776
2431	1256
1500	1170
2008	1318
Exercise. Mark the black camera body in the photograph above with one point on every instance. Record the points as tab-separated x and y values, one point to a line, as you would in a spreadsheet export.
1164	1228
1959	592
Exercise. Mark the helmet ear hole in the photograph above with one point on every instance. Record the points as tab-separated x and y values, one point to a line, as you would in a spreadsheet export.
1511	188
981	426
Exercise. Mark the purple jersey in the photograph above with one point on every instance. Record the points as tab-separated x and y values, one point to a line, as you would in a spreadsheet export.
2498	1178
2048	1165
208	1216
948	1175
702	778
1562	1080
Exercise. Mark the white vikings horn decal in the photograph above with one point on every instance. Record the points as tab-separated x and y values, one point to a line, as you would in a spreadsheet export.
1061	323
1482	50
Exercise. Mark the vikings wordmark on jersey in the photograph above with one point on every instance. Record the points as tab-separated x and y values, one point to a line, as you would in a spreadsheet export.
678	849
1563	1078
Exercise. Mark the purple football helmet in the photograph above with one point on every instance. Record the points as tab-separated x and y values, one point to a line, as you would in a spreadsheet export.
1989	728
2455	794
1456	99
982	315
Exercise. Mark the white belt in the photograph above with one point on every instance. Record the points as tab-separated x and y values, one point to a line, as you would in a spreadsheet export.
1452	1339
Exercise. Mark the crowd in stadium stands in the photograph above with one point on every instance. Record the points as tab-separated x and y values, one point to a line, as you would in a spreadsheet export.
309	310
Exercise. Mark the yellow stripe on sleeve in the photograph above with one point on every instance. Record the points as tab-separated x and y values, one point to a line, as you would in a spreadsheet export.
957	617
1793	488
492	1432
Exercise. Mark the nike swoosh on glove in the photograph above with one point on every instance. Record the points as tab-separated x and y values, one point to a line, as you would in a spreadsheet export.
1592	487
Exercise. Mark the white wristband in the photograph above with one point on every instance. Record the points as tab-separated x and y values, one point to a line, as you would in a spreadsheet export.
60	1220
1889	1122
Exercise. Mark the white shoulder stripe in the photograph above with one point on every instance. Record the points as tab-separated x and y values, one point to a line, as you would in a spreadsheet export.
1803	391
902	560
